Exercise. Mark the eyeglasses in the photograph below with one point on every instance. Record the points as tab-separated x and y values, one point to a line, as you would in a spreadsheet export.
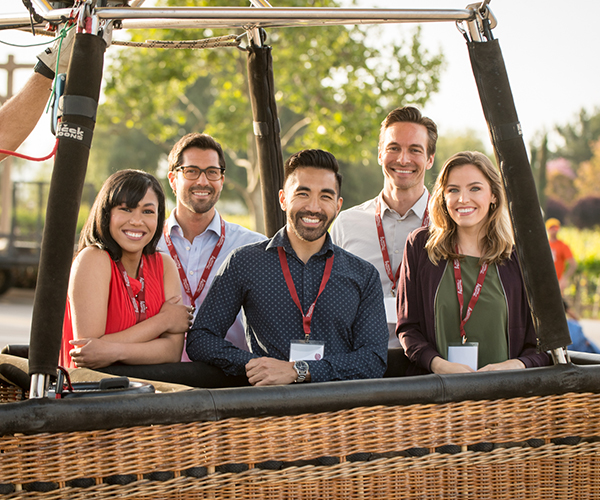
191	172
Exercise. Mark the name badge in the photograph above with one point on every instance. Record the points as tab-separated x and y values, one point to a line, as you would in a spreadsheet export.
391	313
465	354
307	350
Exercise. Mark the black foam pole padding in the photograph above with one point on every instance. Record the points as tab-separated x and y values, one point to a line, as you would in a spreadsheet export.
535	257
111	412
84	78
267	133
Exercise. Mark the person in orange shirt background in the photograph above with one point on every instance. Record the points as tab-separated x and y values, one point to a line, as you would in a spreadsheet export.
564	262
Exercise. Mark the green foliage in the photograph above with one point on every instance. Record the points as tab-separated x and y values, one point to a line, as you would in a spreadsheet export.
579	136
581	148
451	143
117	147
587	182
30	214
539	159
333	87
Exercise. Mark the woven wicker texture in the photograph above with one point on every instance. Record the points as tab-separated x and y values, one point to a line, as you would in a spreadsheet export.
362	453
11	393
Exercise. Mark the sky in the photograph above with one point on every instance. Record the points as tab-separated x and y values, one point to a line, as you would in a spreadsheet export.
550	47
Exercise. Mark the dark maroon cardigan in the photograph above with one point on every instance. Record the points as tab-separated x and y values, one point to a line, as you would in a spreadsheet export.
419	280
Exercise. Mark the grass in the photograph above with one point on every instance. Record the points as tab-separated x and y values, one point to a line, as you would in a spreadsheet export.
585	245
242	220
584	291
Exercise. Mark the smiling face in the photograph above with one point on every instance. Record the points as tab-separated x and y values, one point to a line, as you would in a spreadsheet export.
133	228
468	196
311	201
403	156
198	196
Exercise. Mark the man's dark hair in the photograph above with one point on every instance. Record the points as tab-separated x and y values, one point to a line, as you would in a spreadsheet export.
194	140
315	158
124	186
412	115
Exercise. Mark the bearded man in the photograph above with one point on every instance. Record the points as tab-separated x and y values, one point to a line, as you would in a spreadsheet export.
314	311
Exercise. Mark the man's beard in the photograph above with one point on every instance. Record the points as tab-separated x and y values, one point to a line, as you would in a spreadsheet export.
309	234
201	206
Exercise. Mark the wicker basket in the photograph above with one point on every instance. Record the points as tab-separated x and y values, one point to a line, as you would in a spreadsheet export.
536	447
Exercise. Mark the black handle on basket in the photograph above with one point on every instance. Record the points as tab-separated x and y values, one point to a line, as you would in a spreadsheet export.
84	78
535	257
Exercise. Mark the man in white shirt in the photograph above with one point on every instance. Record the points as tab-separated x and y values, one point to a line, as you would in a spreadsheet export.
195	235
377	229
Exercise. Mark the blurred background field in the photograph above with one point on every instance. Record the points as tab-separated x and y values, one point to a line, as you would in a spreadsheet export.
584	292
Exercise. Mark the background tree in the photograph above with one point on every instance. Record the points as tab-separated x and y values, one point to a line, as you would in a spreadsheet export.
579	136
453	142
572	170
586	213
539	158
333	89
560	184
587	181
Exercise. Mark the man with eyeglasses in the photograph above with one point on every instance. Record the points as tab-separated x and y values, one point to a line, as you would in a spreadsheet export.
195	234
377	229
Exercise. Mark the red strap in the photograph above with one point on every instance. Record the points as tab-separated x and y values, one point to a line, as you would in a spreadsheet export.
383	245
31	158
474	297
209	265
140	312
306	318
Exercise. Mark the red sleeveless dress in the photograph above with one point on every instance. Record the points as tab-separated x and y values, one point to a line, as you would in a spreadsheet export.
120	314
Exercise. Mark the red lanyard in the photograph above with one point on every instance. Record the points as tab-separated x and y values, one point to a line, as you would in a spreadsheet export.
140	312
306	318
207	269
382	244
474	298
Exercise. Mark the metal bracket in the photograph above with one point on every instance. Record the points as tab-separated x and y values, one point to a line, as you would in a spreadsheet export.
560	356
483	23
40	382
256	35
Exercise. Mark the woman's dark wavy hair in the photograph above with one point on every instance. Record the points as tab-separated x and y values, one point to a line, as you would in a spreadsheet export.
124	186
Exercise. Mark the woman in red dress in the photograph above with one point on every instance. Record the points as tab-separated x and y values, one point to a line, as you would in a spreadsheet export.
124	302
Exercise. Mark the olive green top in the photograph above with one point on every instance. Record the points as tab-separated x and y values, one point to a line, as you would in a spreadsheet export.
488	324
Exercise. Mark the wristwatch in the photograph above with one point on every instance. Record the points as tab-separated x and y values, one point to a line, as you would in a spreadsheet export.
301	368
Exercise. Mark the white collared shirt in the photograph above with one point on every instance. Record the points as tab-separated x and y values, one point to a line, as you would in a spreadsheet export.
355	230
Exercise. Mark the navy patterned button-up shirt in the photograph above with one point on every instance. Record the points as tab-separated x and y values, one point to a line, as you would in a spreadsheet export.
349	316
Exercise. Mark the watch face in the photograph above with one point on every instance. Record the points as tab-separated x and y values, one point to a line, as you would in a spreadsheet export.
301	367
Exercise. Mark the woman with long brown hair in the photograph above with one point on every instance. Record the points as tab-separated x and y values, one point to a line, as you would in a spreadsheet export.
462	305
